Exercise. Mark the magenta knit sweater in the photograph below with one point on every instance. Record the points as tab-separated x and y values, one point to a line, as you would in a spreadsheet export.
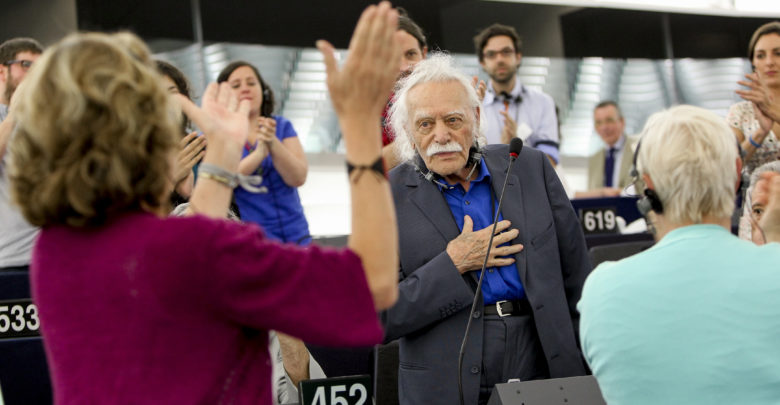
175	310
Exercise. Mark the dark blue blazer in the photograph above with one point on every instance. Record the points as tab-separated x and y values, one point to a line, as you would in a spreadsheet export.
434	299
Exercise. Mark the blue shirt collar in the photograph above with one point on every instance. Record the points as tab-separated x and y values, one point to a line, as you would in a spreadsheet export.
482	174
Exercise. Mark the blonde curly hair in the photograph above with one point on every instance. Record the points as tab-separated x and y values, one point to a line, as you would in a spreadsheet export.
94	137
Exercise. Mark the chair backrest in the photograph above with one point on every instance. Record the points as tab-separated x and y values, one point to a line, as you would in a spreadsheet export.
24	373
616	251
386	374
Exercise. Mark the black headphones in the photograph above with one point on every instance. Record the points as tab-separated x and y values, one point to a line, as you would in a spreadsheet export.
650	201
475	156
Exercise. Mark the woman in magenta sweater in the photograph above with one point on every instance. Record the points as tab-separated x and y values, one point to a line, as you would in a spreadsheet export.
139	308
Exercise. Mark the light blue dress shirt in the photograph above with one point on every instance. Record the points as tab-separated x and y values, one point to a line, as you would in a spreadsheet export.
536	111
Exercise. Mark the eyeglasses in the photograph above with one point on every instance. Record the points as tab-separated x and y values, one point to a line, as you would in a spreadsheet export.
506	52
24	63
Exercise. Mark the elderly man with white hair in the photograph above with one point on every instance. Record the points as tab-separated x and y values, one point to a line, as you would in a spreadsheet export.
446	193
696	318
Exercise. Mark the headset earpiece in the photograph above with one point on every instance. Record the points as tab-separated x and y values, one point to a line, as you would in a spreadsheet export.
650	202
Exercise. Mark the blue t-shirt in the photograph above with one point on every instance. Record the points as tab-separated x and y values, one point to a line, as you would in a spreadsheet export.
279	211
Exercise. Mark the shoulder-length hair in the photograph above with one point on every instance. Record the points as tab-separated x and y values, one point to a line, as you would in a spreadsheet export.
95	135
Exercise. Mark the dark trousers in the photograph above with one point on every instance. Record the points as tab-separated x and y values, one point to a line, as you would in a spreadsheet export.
510	349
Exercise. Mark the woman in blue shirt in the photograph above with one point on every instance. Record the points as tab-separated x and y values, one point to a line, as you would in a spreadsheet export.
274	152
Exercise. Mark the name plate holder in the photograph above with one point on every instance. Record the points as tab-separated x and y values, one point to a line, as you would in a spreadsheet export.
349	390
18	319
599	220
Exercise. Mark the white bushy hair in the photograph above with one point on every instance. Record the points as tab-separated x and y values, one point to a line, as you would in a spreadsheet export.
437	68
690	155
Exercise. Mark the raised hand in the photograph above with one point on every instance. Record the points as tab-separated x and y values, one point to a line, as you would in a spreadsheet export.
765	124
770	220
361	87
480	86
468	250
223	119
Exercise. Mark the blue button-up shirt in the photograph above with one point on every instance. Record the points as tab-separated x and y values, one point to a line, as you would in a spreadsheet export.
500	283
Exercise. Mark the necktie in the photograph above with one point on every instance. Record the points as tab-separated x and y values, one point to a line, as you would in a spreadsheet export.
609	167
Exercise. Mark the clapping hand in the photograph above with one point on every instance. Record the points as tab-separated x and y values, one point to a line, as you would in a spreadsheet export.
509	131
191	151
770	221
762	98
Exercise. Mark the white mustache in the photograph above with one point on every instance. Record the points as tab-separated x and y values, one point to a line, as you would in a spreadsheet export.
435	148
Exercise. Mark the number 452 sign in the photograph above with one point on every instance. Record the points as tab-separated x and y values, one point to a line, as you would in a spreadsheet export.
351	390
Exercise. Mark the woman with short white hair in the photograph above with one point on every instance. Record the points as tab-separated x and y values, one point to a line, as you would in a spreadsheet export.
693	319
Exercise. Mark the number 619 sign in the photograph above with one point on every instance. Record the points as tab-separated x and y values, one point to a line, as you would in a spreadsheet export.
351	390
599	220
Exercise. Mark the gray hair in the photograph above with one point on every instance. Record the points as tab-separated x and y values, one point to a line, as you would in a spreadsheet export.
437	68
773	166
690	154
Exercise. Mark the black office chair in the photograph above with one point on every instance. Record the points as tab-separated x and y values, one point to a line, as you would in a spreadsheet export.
24	373
616	251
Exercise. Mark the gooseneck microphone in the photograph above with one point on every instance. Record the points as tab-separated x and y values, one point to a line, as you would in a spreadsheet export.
515	146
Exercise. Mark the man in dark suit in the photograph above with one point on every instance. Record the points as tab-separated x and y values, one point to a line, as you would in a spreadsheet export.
446	194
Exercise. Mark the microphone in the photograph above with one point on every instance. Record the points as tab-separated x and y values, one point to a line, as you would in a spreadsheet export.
515	147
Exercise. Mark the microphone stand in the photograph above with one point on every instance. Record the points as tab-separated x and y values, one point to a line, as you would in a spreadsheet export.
477	294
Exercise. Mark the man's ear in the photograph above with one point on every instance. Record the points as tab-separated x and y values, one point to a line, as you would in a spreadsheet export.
477	115
425	52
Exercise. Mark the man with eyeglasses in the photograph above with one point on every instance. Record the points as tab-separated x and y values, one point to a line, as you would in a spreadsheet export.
609	170
16	57
17	236
509	108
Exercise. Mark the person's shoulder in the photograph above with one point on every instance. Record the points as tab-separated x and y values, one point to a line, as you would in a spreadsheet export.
281	120
199	226
741	107
401	173
536	93
284	127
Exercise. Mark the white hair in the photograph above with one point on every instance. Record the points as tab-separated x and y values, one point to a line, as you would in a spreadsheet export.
437	68
690	155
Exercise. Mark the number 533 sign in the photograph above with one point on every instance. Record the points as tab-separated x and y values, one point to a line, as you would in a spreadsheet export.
351	390
18	318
